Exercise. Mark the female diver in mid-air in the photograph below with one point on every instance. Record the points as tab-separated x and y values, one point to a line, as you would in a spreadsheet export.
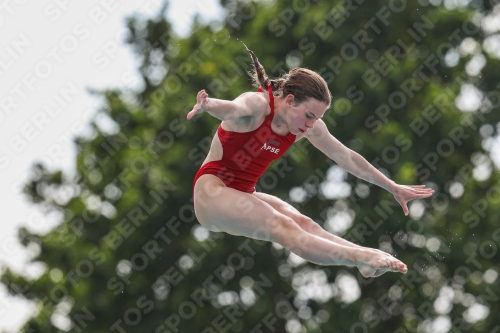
258	128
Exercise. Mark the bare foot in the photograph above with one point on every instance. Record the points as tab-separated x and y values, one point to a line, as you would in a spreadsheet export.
376	263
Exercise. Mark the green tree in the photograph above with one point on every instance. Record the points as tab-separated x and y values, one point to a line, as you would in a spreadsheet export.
130	256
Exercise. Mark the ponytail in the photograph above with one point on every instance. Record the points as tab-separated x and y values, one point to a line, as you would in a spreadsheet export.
259	75
302	83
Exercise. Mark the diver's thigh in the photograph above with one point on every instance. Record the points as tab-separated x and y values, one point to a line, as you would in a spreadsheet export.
220	208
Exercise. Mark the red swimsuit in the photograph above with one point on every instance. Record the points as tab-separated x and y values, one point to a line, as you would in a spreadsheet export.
246	156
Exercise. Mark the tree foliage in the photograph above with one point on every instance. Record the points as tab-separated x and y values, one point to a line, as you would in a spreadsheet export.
129	255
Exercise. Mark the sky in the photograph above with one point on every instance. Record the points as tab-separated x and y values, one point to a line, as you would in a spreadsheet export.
51	53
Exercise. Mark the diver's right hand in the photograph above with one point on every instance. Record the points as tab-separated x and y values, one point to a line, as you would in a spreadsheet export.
200	106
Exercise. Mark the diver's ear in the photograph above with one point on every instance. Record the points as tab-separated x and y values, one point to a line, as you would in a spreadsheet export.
290	99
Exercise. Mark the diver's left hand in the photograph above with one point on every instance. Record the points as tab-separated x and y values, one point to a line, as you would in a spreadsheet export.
405	193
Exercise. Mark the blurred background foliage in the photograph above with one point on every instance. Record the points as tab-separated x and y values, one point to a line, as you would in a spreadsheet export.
415	91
